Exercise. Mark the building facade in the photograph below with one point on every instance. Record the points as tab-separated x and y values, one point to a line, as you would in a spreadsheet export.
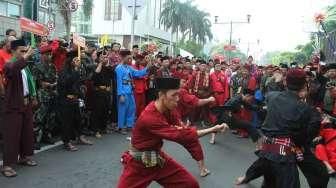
46	10
114	18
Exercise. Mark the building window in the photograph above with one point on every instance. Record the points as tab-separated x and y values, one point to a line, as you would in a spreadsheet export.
3	8
44	17
10	9
113	10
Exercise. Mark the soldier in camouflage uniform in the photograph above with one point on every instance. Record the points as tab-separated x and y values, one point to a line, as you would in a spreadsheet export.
46	79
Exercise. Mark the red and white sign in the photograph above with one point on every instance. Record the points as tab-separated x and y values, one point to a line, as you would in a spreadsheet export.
51	26
229	47
32	26
220	57
77	39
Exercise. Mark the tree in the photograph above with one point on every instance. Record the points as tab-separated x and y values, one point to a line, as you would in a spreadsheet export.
330	21
187	19
66	13
219	49
192	47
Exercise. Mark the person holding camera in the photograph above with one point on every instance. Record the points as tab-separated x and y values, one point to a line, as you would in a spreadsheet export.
101	79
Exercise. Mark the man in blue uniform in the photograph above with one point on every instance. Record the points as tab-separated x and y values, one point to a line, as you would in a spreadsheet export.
125	97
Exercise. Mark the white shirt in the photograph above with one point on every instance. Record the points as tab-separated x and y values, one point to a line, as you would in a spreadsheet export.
25	83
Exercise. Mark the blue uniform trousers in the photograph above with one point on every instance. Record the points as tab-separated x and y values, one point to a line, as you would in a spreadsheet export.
126	111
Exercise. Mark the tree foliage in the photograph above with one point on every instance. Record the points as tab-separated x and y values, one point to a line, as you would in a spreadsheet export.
192	47
186	18
219	49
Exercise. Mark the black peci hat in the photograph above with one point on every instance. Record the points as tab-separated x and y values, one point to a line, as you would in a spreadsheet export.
331	66
17	43
124	52
167	83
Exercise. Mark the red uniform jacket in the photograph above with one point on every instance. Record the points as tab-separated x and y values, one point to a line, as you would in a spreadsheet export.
152	127
252	83
219	83
140	84
59	56
327	151
186	104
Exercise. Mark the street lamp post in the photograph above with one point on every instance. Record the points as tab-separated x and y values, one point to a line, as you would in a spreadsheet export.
133	22
231	25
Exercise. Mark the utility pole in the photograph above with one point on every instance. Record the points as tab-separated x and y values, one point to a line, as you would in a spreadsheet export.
231	25
133	22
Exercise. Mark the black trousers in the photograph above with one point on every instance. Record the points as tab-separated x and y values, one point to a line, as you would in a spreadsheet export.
1	115
70	120
234	123
276	175
100	106
313	169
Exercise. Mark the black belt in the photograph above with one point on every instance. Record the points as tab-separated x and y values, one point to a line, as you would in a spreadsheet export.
127	82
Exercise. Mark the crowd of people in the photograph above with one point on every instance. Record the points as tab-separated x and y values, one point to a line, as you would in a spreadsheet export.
50	92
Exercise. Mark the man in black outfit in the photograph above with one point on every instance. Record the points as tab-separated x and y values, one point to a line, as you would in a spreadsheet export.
289	127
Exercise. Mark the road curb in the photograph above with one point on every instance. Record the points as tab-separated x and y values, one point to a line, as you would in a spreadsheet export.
44	148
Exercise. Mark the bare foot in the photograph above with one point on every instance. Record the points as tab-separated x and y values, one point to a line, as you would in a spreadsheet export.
204	172
240	180
212	141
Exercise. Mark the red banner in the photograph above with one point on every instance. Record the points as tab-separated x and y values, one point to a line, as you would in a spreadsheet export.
220	57
33	27
229	47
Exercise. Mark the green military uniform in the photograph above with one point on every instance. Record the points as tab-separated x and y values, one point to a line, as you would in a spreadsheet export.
45	116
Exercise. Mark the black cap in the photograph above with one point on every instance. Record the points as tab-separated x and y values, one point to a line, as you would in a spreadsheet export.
17	43
248	91
294	64
124	52
331	66
72	54
167	83
283	65
165	58
135	46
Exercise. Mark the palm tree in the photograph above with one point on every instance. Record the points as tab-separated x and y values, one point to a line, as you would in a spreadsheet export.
187	19
66	13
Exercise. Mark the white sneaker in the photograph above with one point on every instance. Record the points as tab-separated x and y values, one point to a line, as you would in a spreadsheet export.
129	138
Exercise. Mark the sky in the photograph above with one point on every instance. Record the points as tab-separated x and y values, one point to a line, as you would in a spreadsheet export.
277	24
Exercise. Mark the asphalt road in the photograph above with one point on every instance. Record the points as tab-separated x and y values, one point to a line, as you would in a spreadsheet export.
98	166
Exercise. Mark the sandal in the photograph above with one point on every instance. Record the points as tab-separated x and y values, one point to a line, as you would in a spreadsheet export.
27	162
84	141
70	147
8	172
205	172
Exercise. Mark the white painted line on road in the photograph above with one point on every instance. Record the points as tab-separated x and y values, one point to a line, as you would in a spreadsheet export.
49	147
45	148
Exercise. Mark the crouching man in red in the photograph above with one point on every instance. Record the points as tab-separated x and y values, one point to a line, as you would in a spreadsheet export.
145	161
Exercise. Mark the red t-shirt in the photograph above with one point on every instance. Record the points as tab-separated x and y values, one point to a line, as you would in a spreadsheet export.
4	57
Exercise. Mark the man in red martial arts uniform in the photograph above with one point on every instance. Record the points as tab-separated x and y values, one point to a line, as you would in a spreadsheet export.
145	161
220	89
140	85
